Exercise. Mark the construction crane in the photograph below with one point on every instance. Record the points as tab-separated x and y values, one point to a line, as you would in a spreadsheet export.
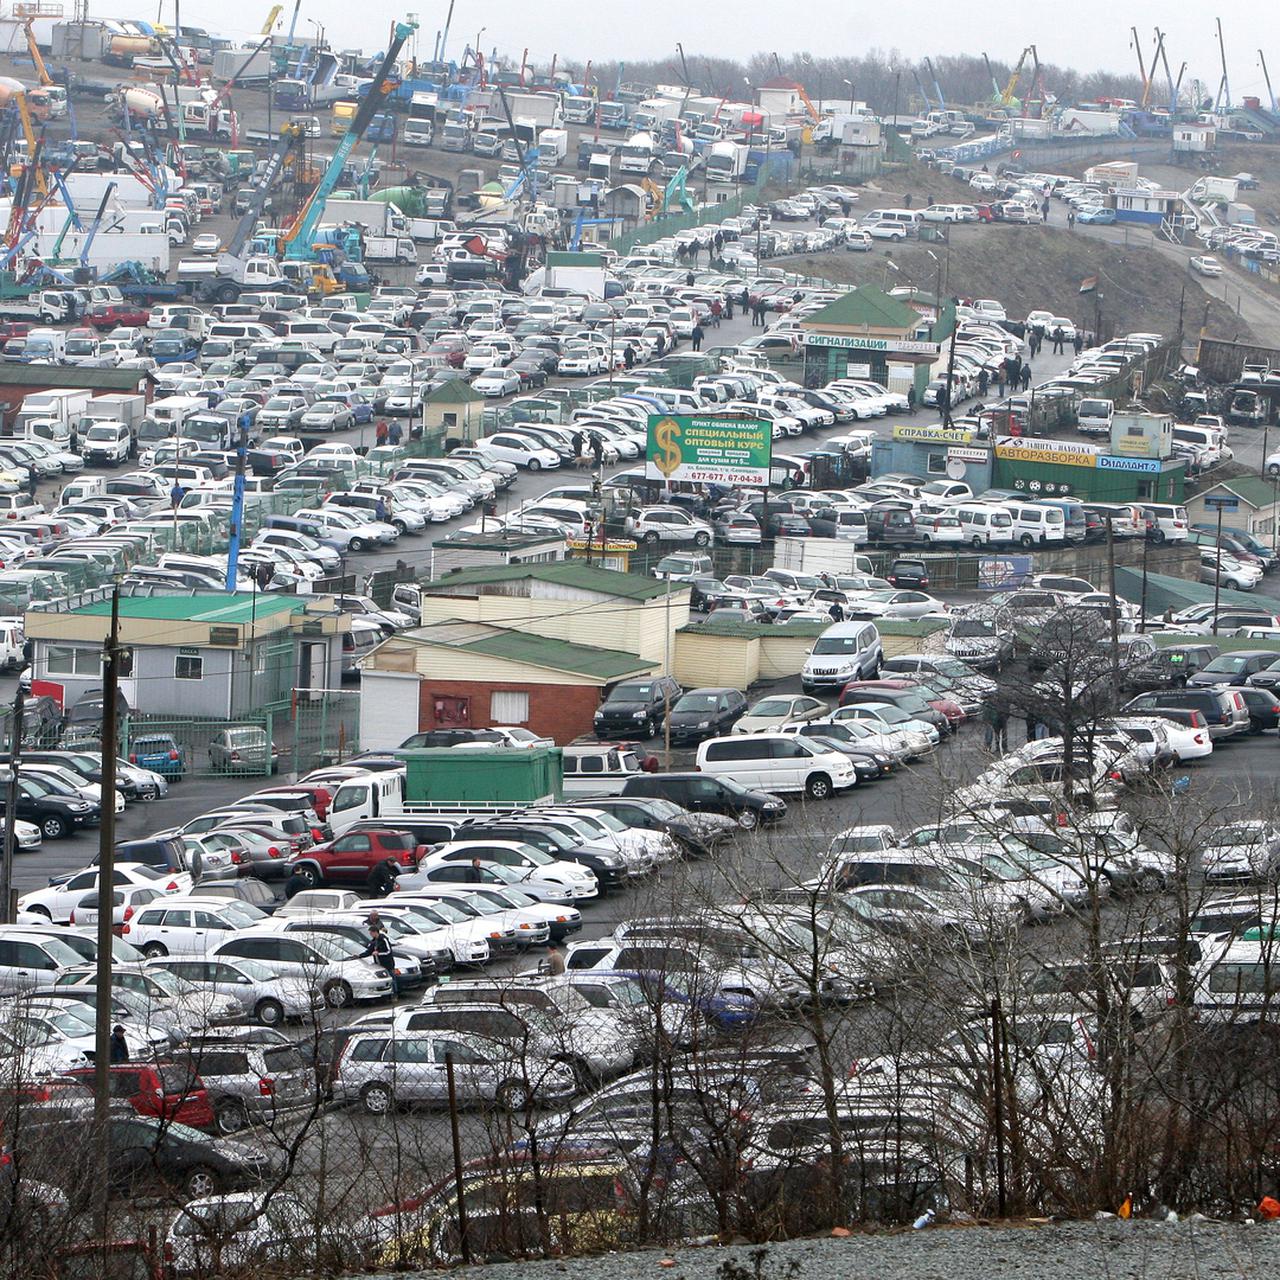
813	111
995	84
924	93
1223	100
1006	97
1142	66
297	236
1168	75
937	88
1149	85
289	138
269	26
42	72
29	133
1266	75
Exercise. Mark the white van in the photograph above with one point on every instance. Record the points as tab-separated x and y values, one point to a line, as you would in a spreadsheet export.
778	762
907	219
984	525
673	400
1168	521
1093	417
1037	526
315	333
591	770
1209	442
357	643
844	651
368	795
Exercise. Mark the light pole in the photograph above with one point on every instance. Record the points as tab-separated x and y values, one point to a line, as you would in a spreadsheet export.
889	265
319	26
937	290
850	84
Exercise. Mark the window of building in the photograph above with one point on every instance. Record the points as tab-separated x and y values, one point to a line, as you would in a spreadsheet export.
186	667
67	660
936	464
508	707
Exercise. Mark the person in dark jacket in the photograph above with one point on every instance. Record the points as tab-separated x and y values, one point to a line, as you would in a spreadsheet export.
597	451
575	443
1026	376
696	337
119	1046
379	949
629	355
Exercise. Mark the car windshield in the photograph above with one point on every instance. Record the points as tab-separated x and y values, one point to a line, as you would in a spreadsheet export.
696	702
772	707
632	692
971	627
836	644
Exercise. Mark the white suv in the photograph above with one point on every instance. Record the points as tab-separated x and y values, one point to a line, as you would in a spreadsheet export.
778	762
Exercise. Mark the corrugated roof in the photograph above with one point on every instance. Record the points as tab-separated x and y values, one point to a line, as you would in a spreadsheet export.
565	573
71	376
226	608
559	655
455	391
1257	491
864	306
1166	592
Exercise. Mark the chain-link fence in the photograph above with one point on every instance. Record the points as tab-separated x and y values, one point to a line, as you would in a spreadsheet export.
324	728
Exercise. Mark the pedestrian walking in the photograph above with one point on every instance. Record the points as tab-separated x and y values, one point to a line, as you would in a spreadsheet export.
1026	376
1000	383
394	433
1044	210
716	308
906	201
380	952
554	963
597	451
744	299
1071	219
728	306
119	1045
696	337
984	381
1032	724
1058	338
575	443
689	279
996	735
629	355
1077	343
380	432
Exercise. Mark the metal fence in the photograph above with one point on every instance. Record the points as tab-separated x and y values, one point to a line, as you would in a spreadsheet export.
324	728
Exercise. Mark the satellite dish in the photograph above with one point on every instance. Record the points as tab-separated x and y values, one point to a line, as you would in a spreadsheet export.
955	469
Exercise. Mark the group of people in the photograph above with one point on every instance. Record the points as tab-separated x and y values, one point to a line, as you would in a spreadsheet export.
995	724
388	433
583	444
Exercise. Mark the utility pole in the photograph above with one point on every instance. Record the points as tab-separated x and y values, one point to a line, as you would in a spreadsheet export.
1115	620
106	916
463	1238
997	1094
1217	572
11	808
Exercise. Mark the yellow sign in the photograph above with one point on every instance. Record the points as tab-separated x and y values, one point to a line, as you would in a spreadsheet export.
667	456
1134	446
1049	456
933	435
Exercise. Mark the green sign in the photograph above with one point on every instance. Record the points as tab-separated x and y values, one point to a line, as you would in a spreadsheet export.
709	450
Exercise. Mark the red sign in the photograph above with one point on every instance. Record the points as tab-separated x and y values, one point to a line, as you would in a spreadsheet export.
48	689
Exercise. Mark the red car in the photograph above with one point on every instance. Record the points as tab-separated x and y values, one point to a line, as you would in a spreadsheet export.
161	1089
115	314
953	711
358	860
12	329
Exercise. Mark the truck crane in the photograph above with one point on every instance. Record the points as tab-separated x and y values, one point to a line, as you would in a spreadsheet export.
1006	96
1142	67
937	88
995	84
924	93
297	237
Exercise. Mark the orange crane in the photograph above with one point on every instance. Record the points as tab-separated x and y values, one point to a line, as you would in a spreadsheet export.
808	105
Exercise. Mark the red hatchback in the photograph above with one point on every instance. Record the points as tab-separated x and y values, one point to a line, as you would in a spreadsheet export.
161	1089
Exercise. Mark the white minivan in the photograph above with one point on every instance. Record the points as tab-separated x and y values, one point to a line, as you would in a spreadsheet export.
778	762
984	525
1037	526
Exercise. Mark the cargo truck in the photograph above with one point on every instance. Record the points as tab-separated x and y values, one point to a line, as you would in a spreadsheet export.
543	109
390	249
420	126
726	162
553	146
243	65
440	779
653	113
579	110
456	136
637	153
614	116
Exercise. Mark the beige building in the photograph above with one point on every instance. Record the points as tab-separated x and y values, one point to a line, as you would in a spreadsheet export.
565	600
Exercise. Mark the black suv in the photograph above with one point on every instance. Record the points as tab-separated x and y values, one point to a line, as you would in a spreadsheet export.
909	573
165	853
451	737
700	793
56	815
1171	667
704	713
635	708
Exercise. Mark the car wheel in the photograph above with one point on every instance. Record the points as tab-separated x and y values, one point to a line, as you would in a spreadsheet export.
701	539
154	950
748	819
377	1099
977	541
513	1095
200	1182
358	544
269	1012
230	1116
1274	469
818	787
1027	541
650	539
53	827
534	464
337	995
1150	882
585	1078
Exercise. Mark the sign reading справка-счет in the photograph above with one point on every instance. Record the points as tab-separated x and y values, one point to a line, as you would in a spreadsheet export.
708	450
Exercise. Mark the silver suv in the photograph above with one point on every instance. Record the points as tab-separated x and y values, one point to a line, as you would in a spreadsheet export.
257	1077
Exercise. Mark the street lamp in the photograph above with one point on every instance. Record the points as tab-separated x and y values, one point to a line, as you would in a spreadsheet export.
850	84
319	26
937	289
889	265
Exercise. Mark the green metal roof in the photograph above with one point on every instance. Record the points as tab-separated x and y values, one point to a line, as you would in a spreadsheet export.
559	655
864	306
71	376
227	608
455	391
1257	491
565	573
558	258
1166	592
910	626
1228	644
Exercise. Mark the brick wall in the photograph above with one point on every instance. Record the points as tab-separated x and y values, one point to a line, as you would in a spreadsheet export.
560	711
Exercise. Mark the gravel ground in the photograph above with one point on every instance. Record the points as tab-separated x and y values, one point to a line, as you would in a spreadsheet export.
1116	1250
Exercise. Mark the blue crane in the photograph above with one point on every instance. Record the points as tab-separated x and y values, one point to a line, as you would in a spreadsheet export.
297	239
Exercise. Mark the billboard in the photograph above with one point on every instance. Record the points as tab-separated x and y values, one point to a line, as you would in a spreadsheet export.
709	450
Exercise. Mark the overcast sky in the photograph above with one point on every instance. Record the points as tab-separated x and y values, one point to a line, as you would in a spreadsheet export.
1086	34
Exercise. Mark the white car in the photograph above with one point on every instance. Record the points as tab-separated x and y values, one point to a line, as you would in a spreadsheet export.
496	382
777	710
127	901
58	901
206	243
520	451
1206	265
541	876
187	924
894	604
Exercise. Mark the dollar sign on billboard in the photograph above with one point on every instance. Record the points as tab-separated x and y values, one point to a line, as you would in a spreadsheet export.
666	435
